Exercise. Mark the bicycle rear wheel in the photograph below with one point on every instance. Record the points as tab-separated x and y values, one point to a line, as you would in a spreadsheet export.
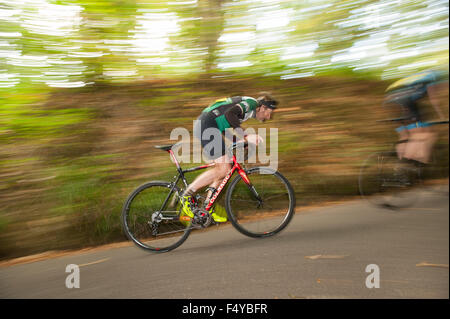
150	222
268	217
386	182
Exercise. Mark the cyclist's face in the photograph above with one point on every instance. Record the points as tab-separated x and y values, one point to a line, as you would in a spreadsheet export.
264	113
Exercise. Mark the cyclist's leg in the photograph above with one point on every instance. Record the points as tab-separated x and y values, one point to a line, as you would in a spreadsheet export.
422	140
223	166
213	176
402	102
217	154
402	141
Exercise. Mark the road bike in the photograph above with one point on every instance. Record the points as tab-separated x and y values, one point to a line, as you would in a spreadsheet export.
386	181
259	202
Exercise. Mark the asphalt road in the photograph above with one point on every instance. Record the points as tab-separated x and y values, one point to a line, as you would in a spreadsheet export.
322	254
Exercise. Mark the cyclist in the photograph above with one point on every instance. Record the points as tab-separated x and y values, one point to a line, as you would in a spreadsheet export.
223	114
416	138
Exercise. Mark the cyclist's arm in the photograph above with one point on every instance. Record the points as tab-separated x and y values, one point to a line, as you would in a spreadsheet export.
233	115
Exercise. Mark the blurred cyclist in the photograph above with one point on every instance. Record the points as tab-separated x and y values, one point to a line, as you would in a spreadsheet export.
221	115
416	138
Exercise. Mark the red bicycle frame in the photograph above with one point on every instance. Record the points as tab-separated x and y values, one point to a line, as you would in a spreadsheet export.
235	167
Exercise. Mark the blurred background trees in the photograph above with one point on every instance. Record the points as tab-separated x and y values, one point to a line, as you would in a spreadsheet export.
80	42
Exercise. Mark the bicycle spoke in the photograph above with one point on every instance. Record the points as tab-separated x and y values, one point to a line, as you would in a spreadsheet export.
141	231
171	232
274	196
245	200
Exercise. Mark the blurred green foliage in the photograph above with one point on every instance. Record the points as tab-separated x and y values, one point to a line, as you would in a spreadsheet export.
74	43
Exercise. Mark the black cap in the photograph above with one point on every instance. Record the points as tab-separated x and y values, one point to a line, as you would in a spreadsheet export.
270	104
267	100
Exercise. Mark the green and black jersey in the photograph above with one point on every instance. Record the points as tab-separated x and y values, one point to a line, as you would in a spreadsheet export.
232	111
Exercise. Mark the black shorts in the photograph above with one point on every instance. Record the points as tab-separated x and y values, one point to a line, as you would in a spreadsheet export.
213	145
408	101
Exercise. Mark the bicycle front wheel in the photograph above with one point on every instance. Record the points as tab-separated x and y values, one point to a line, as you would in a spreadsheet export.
151	217
264	216
385	181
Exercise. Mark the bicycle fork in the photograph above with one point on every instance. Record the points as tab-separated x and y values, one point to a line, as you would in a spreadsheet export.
251	187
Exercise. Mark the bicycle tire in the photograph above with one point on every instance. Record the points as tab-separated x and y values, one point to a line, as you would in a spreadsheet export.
378	185
247	220
150	242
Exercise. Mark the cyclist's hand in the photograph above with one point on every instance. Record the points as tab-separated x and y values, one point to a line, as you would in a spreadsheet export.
254	139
